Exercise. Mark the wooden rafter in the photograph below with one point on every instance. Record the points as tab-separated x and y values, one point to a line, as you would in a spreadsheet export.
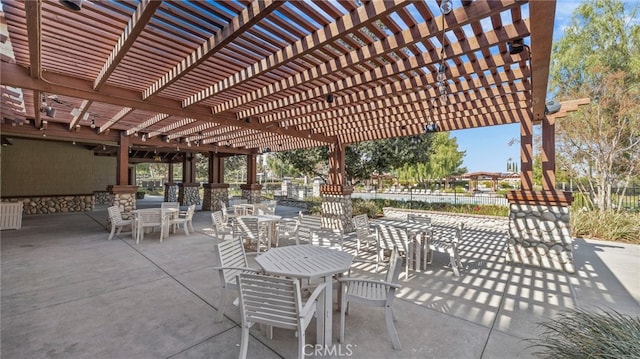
142	15
247	18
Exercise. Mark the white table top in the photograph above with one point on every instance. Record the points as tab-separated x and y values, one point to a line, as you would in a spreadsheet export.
304	261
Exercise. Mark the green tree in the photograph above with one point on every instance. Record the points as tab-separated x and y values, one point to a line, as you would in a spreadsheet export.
362	159
446	159
599	57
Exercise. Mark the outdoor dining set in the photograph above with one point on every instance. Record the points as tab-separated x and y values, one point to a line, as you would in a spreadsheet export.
272	295
299	260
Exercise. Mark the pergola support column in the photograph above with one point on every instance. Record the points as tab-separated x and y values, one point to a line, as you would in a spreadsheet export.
337	208
216	190
252	191
170	188
188	190
122	193
539	228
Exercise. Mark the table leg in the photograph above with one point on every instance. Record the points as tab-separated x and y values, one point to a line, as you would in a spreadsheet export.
320	310
328	311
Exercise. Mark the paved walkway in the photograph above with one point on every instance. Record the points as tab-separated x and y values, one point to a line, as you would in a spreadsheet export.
68	292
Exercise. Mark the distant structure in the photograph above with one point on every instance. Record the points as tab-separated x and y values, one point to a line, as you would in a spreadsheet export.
475	177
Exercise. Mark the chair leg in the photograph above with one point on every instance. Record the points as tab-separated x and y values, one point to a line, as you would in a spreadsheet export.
221	305
343	316
301	342
244	342
454	261
391	328
113	231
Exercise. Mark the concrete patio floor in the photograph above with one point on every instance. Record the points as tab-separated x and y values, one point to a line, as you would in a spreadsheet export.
68	292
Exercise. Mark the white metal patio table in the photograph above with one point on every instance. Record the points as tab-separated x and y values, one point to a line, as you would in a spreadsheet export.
307	262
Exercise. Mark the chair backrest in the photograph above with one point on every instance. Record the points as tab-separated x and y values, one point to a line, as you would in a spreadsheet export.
390	236
269	300
361	221
114	214
217	218
248	227
395	267
416	218
190	211
149	217
307	225
231	256
165	205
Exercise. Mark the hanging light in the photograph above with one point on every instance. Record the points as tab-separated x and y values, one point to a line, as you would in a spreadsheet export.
144	138
93	123
75	5
441	76
446	6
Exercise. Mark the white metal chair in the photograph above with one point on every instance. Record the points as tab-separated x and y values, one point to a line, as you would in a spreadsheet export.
310	231
287	228
171	210
184	220
227	213
232	260
249	228
220	227
373	293
148	218
115	217
363	230
275	302
450	247
390	237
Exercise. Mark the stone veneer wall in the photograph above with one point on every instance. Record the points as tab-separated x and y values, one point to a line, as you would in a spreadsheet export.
540	236
170	193
252	196
54	204
212	198
188	195
337	211
102	197
125	201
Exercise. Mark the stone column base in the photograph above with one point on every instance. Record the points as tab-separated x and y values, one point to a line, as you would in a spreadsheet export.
337	208
170	192
188	194
124	197
213	194
251	192
540	232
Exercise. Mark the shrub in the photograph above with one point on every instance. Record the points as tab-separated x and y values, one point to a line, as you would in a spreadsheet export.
361	206
608	225
578	333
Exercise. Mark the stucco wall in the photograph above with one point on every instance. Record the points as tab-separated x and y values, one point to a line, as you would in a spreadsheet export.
104	172
36	168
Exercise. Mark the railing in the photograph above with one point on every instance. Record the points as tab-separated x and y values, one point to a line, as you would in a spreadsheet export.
631	199
438	197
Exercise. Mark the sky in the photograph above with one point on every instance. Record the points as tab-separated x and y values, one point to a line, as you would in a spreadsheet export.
487	148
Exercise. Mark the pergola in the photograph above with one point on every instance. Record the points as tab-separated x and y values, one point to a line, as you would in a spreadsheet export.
243	77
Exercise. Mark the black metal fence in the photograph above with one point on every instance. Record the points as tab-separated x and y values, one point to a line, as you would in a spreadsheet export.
630	199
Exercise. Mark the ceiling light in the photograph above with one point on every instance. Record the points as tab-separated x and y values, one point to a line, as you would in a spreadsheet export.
104	148
144	138
516	46
446	7
50	111
330	98
75	5
93	123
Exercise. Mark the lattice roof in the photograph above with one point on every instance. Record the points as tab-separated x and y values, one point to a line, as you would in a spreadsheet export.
240	76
